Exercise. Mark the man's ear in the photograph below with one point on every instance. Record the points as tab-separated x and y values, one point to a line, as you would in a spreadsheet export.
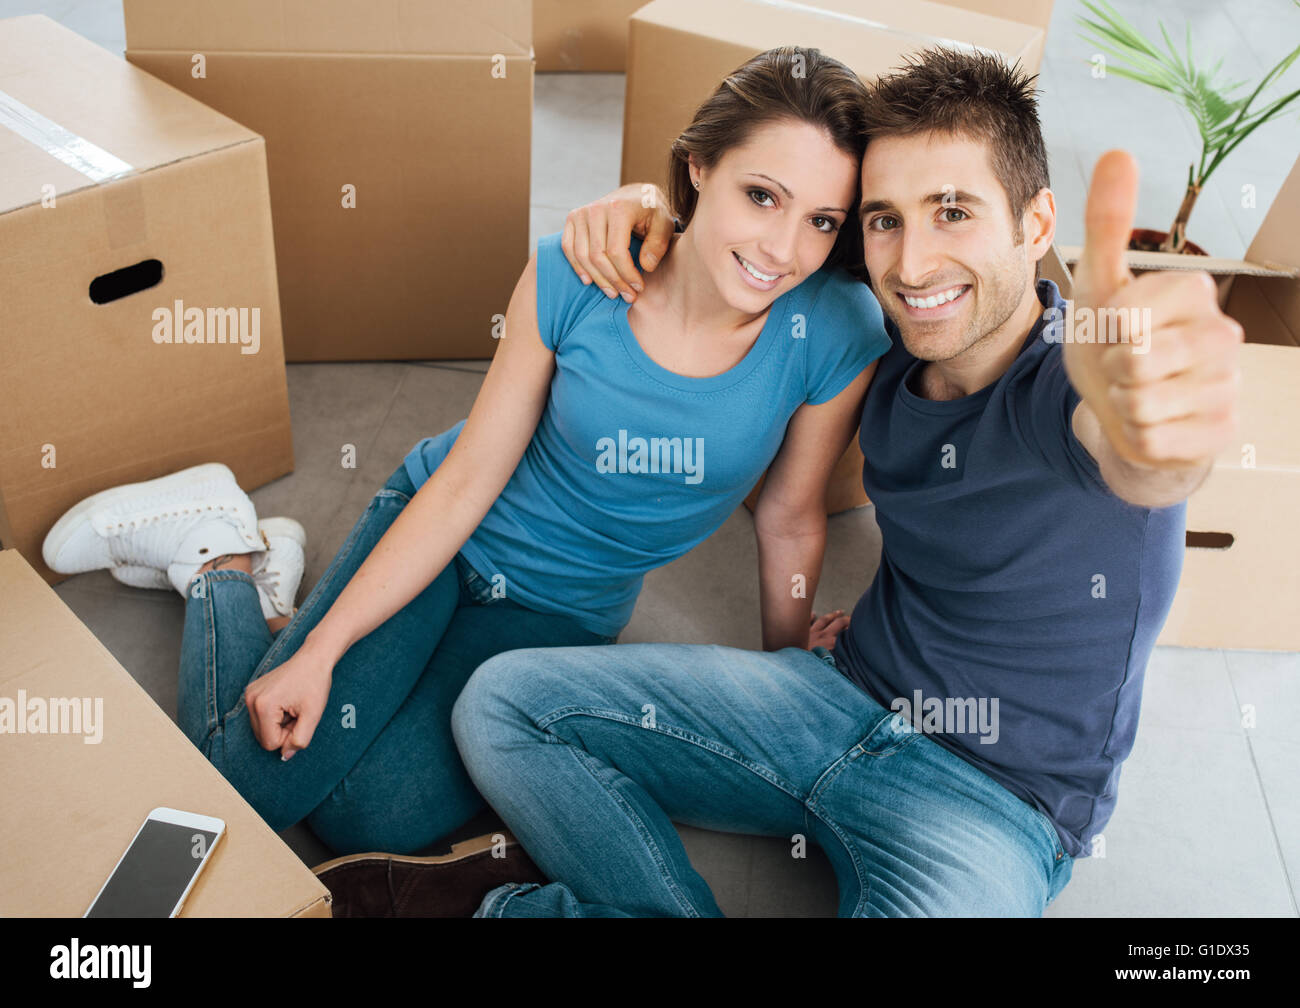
1039	224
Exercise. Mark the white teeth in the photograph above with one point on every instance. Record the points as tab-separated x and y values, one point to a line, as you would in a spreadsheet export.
935	300
755	273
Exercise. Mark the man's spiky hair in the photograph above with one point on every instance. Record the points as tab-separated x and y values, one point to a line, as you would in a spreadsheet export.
971	94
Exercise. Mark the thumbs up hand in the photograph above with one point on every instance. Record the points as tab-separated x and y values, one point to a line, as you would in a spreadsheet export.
1162	376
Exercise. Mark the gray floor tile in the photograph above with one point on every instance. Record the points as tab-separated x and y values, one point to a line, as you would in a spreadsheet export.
1189	688
1276	760
1190	836
1267	691
758	876
332	407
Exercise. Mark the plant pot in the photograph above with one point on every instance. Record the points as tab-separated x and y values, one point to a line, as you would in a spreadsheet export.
1147	240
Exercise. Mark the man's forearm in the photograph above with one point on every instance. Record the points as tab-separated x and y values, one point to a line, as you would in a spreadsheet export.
1142	486
1152	488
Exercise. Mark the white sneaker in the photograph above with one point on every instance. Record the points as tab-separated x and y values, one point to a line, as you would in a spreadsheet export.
277	570
175	524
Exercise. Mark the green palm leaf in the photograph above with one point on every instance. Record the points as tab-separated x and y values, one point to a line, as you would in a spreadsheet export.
1221	115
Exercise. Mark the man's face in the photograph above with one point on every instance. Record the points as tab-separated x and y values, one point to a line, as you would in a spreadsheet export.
940	242
775	203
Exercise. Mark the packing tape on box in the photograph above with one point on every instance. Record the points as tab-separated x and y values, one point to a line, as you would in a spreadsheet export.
123	204
76	152
834	15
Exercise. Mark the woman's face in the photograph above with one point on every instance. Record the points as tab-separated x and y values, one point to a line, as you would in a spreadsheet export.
772	206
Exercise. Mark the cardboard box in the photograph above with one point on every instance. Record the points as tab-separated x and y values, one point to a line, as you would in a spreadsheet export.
104	168
1240	586
582	35
398	142
72	804
680	50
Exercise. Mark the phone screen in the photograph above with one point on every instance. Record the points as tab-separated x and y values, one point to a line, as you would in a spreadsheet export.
155	871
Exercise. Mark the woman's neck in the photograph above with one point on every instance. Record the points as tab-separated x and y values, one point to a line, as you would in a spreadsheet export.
684	291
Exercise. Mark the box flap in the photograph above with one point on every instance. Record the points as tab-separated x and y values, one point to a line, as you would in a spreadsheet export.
73	115
762	24
1278	241
377	26
1278	238
1263	296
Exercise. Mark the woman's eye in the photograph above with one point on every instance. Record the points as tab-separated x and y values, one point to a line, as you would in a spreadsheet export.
826	224
954	220
760	193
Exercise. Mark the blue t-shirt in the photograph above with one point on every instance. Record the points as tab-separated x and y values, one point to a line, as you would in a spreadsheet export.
633	465
1010	572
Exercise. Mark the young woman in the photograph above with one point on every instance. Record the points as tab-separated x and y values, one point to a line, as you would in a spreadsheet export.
607	440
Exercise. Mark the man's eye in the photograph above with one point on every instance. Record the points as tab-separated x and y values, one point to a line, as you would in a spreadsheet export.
884	223
954	220
760	192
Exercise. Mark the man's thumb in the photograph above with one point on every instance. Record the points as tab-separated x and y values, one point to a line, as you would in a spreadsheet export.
1108	224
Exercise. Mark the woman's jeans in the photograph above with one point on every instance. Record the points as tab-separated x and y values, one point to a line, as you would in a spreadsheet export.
381	771
591	754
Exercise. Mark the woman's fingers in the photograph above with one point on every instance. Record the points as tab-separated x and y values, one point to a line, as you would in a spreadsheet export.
265	717
824	629
298	733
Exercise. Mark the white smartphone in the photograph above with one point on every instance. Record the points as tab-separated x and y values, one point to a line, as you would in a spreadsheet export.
158	869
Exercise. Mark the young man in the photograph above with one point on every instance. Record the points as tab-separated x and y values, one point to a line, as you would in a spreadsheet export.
963	742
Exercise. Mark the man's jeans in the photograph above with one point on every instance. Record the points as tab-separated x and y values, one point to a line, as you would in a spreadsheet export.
591	754
382	771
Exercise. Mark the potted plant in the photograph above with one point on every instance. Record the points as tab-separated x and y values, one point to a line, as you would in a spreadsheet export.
1222	117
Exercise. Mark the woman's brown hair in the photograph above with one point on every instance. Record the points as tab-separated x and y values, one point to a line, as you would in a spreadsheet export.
787	83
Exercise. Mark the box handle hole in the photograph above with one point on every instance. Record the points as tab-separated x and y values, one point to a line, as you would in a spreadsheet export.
127	280
1209	540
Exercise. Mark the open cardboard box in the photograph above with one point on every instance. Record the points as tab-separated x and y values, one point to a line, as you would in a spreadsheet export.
127	209
74	799
398	144
1240	586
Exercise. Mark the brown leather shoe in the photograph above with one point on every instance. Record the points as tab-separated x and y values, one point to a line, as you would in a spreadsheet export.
448	885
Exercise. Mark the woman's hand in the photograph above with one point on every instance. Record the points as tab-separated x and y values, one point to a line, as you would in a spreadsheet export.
596	238
826	628
286	704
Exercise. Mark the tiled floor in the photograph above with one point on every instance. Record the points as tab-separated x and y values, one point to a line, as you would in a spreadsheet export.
1208	821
